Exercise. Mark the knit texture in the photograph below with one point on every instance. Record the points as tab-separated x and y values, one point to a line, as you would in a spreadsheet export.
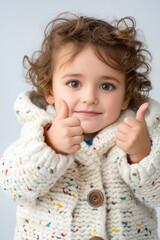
51	189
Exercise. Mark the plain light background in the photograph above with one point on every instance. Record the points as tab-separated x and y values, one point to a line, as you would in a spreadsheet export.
21	31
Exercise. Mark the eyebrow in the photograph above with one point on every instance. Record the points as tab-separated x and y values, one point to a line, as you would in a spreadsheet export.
110	78
105	77
72	75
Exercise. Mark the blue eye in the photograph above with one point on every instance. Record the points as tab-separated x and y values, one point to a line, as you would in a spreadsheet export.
74	84
107	86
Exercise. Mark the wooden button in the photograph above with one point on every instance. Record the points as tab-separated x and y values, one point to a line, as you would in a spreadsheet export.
96	238
95	198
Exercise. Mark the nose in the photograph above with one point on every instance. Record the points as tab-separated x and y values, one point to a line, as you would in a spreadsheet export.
90	96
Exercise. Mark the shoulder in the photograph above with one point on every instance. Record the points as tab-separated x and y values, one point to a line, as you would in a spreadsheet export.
153	113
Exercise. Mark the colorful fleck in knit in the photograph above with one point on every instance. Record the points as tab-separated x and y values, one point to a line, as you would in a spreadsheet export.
52	190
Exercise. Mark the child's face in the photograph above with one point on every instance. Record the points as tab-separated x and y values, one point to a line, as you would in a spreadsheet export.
93	91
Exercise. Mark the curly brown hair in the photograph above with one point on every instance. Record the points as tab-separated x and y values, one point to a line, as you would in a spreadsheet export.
114	44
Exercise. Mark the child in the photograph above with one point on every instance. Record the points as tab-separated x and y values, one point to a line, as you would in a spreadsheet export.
87	163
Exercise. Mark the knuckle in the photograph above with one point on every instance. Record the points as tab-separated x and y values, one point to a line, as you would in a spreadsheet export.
79	139
127	120
79	130
120	126
76	120
68	141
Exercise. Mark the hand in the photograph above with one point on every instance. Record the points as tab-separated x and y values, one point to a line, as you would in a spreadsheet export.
132	135
65	134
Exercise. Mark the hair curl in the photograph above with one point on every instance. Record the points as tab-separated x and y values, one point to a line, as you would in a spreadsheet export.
116	45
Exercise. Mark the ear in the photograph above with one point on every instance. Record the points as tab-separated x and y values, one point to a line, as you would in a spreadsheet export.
49	97
125	102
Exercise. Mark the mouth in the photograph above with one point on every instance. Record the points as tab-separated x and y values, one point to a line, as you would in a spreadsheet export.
88	113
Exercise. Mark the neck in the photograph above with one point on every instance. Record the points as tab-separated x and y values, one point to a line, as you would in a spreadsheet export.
89	136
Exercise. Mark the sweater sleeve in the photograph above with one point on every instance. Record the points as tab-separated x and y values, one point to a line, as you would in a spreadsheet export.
29	167
144	178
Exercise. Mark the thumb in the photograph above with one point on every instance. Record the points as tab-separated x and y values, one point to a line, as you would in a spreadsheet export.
63	110
140	115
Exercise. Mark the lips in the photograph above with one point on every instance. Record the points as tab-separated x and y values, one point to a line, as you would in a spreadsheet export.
88	113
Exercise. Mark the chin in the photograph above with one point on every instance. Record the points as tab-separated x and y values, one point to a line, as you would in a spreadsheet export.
88	129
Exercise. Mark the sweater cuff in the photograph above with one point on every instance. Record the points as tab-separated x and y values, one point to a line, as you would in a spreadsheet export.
147	169
129	160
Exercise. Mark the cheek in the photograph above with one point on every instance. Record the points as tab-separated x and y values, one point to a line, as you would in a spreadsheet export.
114	113
113	107
112	103
118	101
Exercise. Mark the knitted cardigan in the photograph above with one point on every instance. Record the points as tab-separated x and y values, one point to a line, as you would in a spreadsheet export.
51	189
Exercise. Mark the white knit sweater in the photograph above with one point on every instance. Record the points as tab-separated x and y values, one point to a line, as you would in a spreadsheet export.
51	189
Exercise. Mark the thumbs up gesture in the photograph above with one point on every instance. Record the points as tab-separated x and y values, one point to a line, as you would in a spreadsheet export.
132	135
65	134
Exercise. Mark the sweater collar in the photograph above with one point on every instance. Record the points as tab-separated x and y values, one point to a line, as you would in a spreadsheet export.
102	142
30	106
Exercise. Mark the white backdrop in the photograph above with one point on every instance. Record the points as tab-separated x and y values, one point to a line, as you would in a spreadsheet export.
21	30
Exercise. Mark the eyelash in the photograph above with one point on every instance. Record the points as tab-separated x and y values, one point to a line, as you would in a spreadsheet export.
111	86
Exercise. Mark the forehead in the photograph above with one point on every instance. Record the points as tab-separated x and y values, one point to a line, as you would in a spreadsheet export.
83	61
73	56
66	54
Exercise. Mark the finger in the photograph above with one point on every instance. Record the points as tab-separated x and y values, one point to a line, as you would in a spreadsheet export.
63	111
124	128
120	136
131	121
76	131
121	145
74	148
140	115
72	121
77	139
